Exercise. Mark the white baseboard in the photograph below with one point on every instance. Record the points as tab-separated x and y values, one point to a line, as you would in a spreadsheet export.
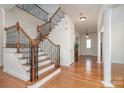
118	62
107	84
44	80
15	74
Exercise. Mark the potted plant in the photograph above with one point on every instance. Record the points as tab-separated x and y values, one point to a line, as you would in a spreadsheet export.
76	47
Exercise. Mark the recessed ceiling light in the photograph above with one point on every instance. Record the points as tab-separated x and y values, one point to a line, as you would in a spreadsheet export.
82	19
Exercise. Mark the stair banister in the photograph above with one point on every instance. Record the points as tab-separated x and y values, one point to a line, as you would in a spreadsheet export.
51	43
21	47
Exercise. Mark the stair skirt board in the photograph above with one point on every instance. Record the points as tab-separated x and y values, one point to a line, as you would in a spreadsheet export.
44	80
22	77
39	64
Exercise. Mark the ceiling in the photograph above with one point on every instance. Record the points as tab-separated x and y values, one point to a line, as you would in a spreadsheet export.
6	6
90	11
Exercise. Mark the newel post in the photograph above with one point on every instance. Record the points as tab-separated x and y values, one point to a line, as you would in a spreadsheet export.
34	63
17	37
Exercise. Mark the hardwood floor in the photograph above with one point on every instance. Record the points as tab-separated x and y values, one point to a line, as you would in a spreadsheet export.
118	75
8	81
85	73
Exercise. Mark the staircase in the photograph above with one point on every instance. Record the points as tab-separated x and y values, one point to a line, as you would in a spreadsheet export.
39	59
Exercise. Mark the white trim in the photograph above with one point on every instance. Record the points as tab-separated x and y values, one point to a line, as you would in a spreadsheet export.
16	74
118	62
107	84
44	80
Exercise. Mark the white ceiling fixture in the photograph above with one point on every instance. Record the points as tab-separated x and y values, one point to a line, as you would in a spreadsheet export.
83	19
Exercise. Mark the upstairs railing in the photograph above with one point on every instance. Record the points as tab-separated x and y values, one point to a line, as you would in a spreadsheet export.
51	49
17	38
57	16
35	10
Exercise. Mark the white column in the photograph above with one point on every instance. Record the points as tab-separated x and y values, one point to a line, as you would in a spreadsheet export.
99	47
4	32
107	48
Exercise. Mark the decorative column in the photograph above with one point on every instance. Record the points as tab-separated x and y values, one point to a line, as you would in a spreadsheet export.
107	48
99	47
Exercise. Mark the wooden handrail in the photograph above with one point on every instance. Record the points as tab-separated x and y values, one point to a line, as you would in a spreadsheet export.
44	24
46	37
55	13
6	28
19	28
33	42
51	17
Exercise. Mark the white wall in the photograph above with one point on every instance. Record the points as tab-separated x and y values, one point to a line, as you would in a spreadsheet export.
1	35
26	20
118	35
64	34
93	50
13	65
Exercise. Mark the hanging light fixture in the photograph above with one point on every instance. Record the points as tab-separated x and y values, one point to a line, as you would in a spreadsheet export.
87	35
82	19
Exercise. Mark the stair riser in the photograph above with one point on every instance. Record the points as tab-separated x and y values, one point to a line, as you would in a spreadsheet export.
44	63
42	57
46	69
43	70
39	53
40	64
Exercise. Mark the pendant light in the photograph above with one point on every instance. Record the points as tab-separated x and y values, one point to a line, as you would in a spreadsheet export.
87	35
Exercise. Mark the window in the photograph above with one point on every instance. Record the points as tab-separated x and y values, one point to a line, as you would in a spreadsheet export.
88	43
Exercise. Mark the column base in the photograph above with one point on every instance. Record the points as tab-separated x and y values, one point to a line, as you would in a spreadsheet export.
99	62
107	84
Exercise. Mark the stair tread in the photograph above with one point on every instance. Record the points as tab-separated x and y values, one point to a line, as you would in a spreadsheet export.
42	76
44	66
44	60
39	61
46	73
38	56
